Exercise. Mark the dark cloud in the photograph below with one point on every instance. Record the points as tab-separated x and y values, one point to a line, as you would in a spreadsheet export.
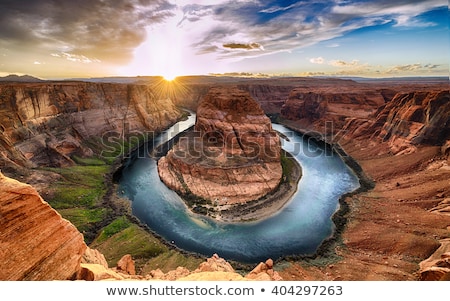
106	30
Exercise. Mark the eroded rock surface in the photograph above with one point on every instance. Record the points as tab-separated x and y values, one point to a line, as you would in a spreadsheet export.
46	124
36	243
232	157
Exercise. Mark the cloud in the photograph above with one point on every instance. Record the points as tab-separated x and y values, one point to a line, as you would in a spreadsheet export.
388	8
75	57
93	28
335	63
275	9
413	68
317	60
341	63
250	46
88	31
286	28
408	21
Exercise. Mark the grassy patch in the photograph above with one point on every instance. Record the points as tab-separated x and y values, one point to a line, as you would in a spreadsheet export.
116	226
78	195
81	186
170	260
287	164
132	240
83	218
92	161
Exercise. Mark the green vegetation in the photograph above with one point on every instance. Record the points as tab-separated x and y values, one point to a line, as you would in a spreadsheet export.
116	226
287	164
81	194
170	260
93	161
83	218
79	186
78	194
123	237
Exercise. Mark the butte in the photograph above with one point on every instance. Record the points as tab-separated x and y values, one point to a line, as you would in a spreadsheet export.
231	157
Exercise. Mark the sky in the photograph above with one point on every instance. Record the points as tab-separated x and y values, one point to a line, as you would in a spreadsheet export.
92	38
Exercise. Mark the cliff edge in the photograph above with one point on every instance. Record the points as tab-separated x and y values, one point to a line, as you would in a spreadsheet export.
36	243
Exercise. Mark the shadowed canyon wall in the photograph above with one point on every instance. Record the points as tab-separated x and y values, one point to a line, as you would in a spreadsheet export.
45	124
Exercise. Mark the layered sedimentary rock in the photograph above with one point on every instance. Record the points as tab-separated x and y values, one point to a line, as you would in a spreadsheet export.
36	243
312	108
408	120
233	156
45	124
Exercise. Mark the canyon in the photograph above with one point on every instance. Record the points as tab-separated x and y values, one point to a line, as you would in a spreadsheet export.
396	130
46	124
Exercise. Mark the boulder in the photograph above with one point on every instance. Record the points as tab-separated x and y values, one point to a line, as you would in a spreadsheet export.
126	265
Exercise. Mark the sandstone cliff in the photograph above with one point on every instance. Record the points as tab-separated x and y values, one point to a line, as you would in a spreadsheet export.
233	156
312	108
36	243
408	120
45	124
270	93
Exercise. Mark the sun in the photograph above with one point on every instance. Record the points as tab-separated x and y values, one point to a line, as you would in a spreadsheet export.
169	86
169	76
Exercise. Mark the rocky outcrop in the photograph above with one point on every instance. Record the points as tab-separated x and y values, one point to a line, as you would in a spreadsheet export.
437	266
214	268
232	157
94	256
126	265
311	108
264	272
215	264
410	119
269	93
36	243
45	124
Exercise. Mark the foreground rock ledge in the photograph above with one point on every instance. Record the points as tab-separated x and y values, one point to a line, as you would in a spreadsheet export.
36	243
232	157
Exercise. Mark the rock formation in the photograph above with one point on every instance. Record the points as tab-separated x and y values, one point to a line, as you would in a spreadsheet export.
126	265
408	120
36	243
232	157
437	266
214	268
313	107
45	124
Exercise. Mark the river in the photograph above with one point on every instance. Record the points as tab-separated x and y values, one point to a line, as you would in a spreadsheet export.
299	228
